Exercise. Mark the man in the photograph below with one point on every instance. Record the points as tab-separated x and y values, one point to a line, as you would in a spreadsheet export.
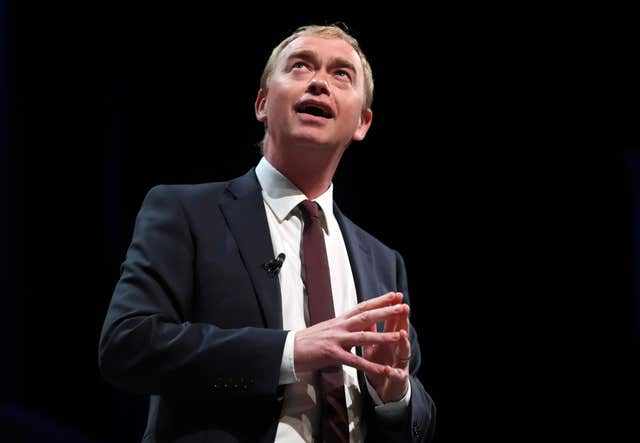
234	345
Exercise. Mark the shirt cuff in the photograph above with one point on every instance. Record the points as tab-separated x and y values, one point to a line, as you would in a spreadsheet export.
287	368
393	410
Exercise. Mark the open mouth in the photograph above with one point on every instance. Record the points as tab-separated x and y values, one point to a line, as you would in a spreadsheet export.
314	109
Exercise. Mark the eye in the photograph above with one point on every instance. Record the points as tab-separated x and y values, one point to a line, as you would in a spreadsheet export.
299	65
343	73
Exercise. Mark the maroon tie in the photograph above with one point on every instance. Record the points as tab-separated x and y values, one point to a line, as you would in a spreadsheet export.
334	418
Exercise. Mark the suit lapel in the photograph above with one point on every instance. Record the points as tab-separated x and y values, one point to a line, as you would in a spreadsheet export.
245	215
359	256
364	276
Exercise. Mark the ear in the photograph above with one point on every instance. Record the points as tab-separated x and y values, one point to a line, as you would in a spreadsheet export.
260	106
363	126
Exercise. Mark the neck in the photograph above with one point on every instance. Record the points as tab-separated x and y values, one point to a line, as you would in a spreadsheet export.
310	168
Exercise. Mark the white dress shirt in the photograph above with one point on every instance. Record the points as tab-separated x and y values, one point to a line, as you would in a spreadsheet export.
300	416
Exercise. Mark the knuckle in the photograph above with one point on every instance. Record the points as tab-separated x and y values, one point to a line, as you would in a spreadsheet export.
326	351
359	308
350	358
347	359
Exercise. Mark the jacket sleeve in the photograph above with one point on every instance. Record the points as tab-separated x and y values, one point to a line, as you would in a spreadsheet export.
418	424
148	345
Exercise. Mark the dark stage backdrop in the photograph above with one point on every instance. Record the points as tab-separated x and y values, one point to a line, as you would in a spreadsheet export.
494	165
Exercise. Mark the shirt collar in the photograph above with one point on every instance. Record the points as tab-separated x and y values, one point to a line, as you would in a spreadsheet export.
282	196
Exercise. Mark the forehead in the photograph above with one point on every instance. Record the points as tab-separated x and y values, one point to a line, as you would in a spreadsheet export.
324	47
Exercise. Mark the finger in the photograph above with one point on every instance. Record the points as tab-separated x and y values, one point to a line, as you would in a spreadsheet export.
388	299
403	322
355	361
369	349
403	351
365	319
391	324
372	329
370	338
396	375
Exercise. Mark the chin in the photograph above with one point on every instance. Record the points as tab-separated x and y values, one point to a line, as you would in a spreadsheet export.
309	139
314	143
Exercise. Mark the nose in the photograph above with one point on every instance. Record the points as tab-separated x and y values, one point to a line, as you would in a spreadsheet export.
318	86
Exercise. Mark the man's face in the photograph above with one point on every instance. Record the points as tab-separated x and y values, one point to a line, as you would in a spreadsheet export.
315	95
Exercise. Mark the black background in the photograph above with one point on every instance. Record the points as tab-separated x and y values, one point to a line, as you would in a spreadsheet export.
494	165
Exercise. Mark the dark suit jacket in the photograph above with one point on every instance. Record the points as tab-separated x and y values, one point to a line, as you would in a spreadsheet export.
196	322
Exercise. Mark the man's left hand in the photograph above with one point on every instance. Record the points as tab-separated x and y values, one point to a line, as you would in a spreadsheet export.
394	383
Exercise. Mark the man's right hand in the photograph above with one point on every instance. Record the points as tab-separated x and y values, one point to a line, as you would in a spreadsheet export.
329	343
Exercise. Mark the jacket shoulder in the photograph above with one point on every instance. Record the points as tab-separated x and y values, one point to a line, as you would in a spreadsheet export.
188	192
367	238
246	184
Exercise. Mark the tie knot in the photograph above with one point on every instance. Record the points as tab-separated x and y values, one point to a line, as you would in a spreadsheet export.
309	209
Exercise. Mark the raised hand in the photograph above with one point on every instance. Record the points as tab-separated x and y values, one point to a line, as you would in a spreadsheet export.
328	343
392	383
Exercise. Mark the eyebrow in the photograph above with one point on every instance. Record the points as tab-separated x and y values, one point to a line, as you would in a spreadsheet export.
313	56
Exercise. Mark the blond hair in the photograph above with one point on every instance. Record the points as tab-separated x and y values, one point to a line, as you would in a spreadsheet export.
331	31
